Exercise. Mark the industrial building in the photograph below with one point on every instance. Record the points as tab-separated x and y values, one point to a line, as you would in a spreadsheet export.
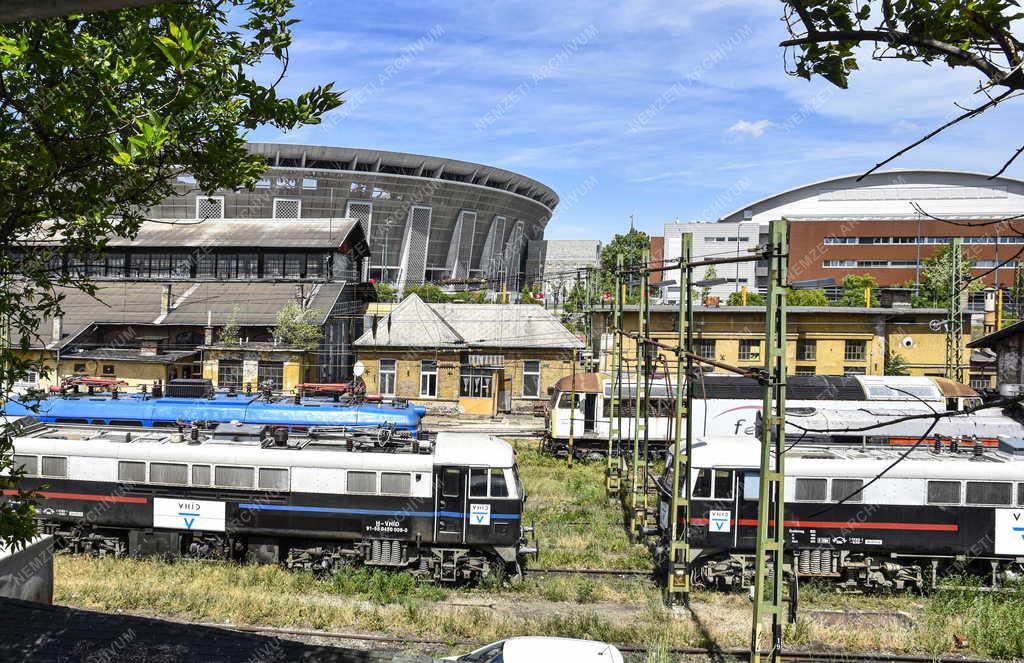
886	225
162	300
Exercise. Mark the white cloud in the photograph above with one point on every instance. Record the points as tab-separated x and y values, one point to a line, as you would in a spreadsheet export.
744	129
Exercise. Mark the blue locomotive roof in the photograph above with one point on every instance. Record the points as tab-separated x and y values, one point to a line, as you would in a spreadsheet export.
221	408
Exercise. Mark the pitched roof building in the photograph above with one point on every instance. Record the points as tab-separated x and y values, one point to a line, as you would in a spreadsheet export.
472	358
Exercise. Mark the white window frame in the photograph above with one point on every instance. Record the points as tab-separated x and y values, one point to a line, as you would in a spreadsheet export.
537	373
423	374
298	210
380	376
200	199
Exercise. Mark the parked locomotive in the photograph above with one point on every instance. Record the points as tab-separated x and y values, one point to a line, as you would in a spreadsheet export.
145	409
448	510
727	405
938	511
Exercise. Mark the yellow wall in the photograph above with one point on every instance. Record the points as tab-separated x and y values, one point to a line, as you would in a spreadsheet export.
135	373
554	364
923	349
293	371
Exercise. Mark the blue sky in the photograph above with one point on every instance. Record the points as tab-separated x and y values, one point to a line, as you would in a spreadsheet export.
659	110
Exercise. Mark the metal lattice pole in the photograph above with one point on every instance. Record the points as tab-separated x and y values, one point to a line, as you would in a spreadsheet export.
639	403
955	321
612	476
678	571
768	578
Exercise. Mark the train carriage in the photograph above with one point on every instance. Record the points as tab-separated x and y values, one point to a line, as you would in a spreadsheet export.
449	510
935	512
725	404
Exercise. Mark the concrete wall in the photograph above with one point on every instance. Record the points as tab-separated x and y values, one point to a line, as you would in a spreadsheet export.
27	574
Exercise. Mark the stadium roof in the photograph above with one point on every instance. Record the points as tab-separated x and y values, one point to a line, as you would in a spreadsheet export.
402	164
737	215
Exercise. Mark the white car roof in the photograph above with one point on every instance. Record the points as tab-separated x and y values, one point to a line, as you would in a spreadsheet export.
558	650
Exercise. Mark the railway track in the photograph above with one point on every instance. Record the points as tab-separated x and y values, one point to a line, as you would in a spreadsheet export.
711	653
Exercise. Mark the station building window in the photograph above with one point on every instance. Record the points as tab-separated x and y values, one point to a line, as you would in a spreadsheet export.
475	382
750	349
428	378
271	373
531	379
229	373
855	351
388	372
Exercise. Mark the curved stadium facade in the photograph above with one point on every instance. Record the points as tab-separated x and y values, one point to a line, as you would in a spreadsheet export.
428	219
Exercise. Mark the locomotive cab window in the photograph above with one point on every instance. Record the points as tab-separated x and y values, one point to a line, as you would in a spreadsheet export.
944	492
713	484
1020	494
499	488
362	482
234	477
272	478
131	471
30	464
173	473
485	482
451	486
811	490
395	483
989	492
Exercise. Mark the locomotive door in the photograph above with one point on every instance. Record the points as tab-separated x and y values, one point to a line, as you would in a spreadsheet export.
589	413
450	517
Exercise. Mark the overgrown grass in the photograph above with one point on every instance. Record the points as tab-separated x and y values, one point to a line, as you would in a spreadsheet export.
991	622
577	525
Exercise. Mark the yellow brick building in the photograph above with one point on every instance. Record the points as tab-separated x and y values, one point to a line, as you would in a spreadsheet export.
821	340
256	364
478	359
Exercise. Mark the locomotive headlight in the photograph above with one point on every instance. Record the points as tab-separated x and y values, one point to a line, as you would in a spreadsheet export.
907	342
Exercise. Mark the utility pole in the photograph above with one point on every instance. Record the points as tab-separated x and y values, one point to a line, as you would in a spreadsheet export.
678	571
572	412
955	326
768	573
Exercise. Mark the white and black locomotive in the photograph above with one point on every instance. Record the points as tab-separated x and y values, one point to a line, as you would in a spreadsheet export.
449	510
943	509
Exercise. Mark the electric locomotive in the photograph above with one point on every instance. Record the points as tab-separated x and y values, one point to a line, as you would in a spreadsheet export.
448	510
865	517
